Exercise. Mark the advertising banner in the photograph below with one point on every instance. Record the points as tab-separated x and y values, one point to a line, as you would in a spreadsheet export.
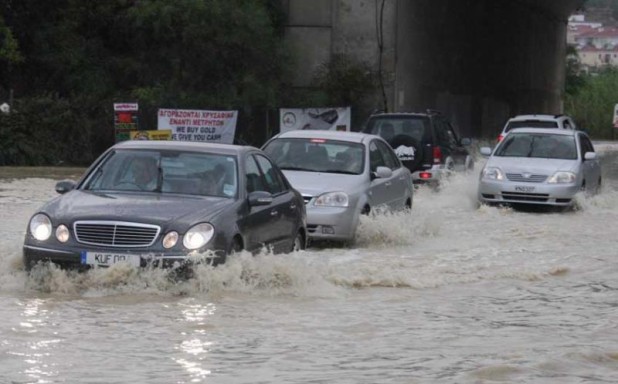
161	134
199	125
334	119
125	120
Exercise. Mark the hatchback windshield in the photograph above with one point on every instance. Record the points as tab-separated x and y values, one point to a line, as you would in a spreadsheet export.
538	145
166	172
317	155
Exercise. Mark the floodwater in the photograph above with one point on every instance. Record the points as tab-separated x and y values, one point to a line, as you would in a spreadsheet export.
450	294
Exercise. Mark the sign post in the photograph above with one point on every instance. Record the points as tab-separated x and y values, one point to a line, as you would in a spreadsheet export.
615	121
125	120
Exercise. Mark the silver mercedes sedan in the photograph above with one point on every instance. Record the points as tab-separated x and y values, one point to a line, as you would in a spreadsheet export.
539	166
341	175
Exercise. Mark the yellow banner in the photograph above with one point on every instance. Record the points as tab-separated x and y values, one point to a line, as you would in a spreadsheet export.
160	134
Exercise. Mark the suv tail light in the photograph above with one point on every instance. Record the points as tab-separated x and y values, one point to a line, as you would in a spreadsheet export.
437	155
500	138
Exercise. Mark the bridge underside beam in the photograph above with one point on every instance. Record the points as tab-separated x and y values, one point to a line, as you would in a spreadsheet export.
481	61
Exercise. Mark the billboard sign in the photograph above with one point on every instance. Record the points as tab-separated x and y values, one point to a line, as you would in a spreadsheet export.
199	125
334	119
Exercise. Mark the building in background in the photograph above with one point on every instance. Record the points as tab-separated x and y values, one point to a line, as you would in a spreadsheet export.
596	44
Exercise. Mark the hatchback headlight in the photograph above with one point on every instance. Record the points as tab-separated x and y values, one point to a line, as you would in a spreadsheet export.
492	173
332	199
40	227
198	236
562	178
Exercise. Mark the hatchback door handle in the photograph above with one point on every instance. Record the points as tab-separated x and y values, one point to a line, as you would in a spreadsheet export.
292	206
388	183
274	213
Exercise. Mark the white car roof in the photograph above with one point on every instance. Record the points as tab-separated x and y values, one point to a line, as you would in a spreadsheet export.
355	137
550	131
543	117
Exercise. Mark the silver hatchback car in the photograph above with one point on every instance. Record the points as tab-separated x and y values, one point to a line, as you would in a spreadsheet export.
539	166
341	175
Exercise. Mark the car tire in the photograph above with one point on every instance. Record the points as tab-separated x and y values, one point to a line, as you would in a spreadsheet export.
299	242
236	246
408	141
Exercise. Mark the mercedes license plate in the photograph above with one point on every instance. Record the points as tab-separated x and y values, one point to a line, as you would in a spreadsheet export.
106	259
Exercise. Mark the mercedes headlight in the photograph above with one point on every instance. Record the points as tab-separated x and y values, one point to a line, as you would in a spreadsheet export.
492	173
562	178
170	239
332	199
198	236
40	227
62	233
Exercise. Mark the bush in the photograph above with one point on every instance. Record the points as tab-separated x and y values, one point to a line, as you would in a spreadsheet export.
45	130
592	106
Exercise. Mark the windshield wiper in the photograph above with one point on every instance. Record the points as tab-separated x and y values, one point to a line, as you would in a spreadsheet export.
341	171
295	169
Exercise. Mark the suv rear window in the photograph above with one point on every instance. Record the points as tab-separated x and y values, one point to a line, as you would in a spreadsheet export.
387	128
530	124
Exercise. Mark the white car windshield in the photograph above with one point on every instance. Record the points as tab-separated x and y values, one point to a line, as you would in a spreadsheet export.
317	155
545	146
530	124
165	172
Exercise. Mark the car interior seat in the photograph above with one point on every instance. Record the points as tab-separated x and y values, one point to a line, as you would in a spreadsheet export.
318	156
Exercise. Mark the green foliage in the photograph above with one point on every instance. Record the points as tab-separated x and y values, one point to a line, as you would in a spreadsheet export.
82	56
344	81
593	105
45	130
9	48
574	78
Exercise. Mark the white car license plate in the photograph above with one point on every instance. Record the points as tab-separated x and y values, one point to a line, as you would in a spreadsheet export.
525	189
106	259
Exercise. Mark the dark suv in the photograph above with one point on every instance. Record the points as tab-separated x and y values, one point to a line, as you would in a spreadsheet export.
426	143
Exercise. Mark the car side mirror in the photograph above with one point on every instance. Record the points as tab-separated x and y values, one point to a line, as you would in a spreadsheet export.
259	198
485	151
382	173
466	141
590	156
65	186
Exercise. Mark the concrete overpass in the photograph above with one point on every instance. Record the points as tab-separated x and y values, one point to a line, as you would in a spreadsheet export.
479	61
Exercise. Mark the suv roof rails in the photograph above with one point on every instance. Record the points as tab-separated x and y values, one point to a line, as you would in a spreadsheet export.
433	111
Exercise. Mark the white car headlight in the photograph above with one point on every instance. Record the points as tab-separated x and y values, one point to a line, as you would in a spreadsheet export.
332	199
198	236
492	173
562	178
40	227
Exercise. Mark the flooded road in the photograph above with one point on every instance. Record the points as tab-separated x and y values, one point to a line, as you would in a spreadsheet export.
450	294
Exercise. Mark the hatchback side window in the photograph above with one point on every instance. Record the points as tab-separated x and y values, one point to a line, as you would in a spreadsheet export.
585	145
390	158
274	182
375	157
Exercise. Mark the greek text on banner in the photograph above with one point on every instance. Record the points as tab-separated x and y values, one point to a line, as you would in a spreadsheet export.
199	125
